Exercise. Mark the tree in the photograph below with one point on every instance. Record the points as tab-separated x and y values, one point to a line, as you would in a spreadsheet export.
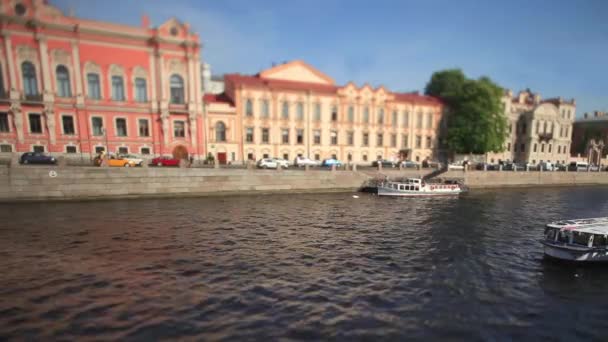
476	122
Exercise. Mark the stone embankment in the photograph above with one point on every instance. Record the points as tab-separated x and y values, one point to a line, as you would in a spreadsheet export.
75	183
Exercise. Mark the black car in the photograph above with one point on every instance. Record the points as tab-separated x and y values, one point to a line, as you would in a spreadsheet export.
513	167
384	163
489	167
37	158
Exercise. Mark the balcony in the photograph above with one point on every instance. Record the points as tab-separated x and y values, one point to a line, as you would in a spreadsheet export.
545	136
32	98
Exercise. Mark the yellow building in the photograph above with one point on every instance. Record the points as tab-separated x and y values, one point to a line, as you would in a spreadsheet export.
293	109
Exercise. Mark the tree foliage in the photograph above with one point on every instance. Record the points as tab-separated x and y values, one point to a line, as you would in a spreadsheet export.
476	122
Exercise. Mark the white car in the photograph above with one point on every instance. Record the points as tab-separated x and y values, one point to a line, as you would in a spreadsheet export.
272	163
456	166
303	161
136	160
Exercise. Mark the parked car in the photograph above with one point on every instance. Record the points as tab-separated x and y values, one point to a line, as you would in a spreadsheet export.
409	164
546	166
272	163
456	166
384	163
303	161
114	161
578	166
165	161
513	167
594	167
136	160
488	167
532	167
331	161
560	167
37	158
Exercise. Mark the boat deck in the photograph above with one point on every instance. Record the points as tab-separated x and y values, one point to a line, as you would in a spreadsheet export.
597	225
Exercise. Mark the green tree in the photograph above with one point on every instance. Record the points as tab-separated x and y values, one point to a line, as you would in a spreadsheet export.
475	122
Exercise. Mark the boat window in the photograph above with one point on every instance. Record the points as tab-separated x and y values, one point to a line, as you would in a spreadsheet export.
562	237
550	234
580	238
401	187
599	240
415	188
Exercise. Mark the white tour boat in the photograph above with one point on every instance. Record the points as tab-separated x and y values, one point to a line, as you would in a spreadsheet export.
417	187
577	240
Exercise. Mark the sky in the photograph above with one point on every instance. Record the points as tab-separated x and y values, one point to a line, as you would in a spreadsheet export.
556	48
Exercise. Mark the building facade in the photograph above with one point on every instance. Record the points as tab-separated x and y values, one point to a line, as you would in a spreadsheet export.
590	137
295	110
538	130
74	86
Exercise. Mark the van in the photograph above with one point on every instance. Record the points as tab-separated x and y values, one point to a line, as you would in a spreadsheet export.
546	166
578	166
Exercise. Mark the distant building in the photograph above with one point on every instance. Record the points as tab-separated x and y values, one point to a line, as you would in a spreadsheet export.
538	130
294	110
212	84
77	87
590	137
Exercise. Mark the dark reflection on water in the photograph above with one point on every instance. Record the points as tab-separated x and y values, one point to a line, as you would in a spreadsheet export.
299	266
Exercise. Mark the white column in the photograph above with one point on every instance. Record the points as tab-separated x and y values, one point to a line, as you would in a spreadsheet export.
8	49
77	73
44	62
191	82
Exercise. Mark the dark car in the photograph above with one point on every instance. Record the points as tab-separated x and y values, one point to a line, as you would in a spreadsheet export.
513	167
384	163
37	158
489	167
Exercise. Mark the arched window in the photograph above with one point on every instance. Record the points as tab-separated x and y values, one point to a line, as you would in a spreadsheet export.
140	90
177	89
220	131
118	88
63	81
94	88
30	84
285	111
249	107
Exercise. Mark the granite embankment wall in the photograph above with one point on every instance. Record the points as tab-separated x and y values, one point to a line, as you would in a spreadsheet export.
70	183
42	183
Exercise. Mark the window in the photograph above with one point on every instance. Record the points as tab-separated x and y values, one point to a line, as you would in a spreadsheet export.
406	118
351	114
265	135
349	157
429	142
118	88
265	108
365	157
4	127
510	128
285	135
365	139
176	84
68	124
393	140
145	150
300	111
429	120
317	137
141	94
404	141
350	137
97	126
317	156
509	147
317	112
418	141
123	150
534	148
94	88
285	111
559	149
30	84
121	127
220	131
549	148
334	113
63	81
522	147
249	107
179	129
542	148
286	156
334	137
265	155
524	128
379	138
366	114
6	148
545	127
380	116
99	149
144	127
249	134
35	123
299	136
38	149
394	120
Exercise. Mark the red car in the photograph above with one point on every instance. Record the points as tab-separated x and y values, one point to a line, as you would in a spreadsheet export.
165	161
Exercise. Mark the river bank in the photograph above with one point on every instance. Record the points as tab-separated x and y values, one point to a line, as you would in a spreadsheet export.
38	183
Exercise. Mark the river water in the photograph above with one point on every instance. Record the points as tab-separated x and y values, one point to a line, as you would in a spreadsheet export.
303	266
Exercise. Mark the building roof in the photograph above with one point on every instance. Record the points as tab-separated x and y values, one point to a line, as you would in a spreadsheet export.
218	98
418	99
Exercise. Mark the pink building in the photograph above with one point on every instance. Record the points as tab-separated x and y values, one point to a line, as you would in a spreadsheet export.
74	86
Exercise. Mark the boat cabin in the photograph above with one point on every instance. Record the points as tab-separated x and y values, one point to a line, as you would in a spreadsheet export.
590	233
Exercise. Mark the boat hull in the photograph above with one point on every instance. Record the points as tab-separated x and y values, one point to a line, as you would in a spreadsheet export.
404	193
563	252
